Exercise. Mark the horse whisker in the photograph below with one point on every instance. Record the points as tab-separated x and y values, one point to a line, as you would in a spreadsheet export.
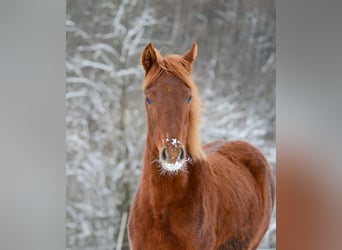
155	161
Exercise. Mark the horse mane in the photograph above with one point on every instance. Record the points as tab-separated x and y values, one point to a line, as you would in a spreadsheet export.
181	68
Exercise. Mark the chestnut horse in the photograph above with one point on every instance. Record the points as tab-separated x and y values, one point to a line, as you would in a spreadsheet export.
217	197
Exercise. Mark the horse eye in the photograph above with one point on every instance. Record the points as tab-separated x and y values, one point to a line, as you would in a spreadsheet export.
189	99
148	101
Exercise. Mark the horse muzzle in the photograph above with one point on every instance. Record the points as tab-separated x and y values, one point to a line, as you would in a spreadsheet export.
172	155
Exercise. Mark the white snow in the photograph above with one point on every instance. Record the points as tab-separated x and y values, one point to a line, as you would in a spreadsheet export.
169	168
174	142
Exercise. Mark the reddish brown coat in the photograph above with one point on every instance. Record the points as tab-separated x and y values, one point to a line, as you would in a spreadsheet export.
221	199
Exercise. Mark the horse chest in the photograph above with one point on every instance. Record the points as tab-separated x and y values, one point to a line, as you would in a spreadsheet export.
173	235
172	228
176	220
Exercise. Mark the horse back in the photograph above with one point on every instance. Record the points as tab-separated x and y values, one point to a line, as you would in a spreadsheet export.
241	155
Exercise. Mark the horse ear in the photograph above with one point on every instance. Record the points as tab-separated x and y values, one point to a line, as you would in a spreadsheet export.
148	57
191	54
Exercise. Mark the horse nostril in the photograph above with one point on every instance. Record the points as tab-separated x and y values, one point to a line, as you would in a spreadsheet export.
181	154
163	154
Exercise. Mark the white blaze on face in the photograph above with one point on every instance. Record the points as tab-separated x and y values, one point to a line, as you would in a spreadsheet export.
175	142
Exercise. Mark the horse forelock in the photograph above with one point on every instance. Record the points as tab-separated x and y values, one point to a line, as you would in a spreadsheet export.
180	68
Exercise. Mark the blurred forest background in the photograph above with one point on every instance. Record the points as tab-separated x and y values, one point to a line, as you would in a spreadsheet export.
105	121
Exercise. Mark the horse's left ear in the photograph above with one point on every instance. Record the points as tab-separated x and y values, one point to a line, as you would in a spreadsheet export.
148	57
191	54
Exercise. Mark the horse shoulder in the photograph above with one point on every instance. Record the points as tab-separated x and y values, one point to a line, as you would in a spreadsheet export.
243	171
245	155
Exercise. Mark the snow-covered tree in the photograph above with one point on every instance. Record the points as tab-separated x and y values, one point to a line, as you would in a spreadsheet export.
104	40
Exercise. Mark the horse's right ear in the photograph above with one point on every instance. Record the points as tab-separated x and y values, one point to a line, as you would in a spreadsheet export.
148	57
